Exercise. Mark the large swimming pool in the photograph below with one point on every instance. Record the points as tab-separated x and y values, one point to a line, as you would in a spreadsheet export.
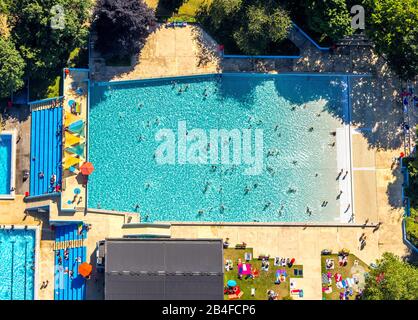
304	147
5	163
17	264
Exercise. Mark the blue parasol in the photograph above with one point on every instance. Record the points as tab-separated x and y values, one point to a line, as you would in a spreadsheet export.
231	283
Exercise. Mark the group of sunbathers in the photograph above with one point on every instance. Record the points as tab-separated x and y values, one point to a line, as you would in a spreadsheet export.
284	262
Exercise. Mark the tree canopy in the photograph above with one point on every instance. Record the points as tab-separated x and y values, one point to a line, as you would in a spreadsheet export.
393	279
249	25
393	27
330	18
122	26
11	68
45	49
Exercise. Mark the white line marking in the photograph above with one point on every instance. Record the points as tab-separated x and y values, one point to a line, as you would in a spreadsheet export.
364	169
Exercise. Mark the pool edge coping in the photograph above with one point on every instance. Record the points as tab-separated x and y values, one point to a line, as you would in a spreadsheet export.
232	74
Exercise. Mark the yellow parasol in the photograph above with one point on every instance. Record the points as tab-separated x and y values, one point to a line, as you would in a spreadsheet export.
71	139
69	118
70	160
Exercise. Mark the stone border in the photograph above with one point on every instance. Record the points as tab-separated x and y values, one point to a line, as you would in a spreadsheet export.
13	159
269	224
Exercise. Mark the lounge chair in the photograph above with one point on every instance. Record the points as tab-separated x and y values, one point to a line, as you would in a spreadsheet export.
69	118
76	108
329	264
71	139
76	127
299	272
350	282
70	162
77	150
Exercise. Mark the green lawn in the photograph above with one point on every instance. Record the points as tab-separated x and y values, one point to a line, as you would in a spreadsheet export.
186	12
190	7
262	283
346	272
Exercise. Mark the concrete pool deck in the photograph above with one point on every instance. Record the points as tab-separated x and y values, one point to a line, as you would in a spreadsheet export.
72	181
167	52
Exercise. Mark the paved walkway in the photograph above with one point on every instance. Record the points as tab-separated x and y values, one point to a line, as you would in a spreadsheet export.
76	80
167	52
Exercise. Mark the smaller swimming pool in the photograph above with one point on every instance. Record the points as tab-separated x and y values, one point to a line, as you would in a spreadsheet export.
7	164
17	264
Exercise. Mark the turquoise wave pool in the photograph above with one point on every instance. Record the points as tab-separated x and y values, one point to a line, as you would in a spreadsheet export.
298	116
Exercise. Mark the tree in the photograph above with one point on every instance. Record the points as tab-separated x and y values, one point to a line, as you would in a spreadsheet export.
262	26
11	68
393	279
248	26
331	18
392	25
45	49
122	26
171	5
3	6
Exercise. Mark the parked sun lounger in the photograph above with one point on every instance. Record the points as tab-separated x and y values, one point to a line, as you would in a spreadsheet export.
71	139
76	108
350	282
77	150
329	264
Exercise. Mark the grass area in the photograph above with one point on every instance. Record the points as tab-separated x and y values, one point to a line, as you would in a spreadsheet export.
186	12
190	7
346	272
54	90
262	283
411	222
50	86
411	225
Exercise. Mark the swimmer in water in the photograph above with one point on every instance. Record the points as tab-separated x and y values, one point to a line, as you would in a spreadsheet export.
246	190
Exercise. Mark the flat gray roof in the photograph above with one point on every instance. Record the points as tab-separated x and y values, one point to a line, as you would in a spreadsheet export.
158	269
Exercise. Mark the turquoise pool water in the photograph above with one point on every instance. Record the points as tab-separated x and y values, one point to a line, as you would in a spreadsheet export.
298	115
17	258
5	163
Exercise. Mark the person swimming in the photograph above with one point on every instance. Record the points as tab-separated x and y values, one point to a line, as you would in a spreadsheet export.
268	204
246	190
